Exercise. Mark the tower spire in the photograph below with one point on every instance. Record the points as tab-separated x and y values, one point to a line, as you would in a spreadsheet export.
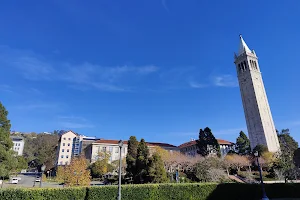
243	46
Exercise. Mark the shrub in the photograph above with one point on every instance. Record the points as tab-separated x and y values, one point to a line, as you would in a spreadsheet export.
182	191
78	193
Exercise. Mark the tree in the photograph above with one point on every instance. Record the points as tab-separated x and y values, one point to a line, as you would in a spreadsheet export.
157	172
77	172
101	166
131	156
260	148
142	163
285	158
207	143
243	144
7	158
41	148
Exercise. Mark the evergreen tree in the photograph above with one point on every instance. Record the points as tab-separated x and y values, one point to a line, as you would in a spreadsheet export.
157	172
131	156
7	159
243	144
142	163
207	143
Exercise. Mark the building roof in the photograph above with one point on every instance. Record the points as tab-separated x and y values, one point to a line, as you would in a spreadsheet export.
243	47
160	144
193	142
103	141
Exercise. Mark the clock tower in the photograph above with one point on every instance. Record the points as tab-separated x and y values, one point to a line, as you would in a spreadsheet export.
260	125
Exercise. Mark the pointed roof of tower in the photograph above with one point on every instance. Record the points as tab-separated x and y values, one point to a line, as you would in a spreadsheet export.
243	46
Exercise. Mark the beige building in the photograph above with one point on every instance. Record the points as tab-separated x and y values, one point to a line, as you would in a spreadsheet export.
65	148
111	147
190	148
257	111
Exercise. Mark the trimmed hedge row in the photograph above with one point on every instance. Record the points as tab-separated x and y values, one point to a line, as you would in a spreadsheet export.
44	194
197	191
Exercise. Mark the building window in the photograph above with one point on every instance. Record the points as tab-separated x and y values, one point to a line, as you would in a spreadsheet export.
116	149
68	150
64	144
62	156
104	149
67	162
62	150
64	138
61	162
124	150
68	144
69	138
67	156
110	149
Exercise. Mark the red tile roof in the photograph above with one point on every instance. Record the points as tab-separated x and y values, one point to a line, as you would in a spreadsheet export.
191	143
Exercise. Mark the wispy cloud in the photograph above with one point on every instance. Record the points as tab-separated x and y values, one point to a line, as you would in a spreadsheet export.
232	131
37	106
194	84
74	122
164	4
225	81
106	78
6	88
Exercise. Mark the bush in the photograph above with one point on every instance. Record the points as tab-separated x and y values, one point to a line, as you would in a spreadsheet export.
78	193
182	191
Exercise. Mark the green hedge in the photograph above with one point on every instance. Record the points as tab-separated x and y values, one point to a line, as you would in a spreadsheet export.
43	194
183	191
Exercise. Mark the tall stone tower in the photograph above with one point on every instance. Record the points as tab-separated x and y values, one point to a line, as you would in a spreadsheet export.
257	111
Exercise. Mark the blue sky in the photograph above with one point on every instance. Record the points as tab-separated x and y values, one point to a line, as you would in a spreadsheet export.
159	69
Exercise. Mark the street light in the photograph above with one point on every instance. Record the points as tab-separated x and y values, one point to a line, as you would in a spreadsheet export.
120	169
42	172
264	197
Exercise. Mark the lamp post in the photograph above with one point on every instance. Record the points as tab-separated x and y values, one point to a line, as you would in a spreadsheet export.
264	197
120	169
42	172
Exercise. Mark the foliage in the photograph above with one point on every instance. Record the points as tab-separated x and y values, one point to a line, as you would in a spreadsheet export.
207	143
285	158
60	174
41	149
77	173
183	191
243	144
7	159
157	172
131	156
44	194
101	166
260	148
142	163
237	161
210	169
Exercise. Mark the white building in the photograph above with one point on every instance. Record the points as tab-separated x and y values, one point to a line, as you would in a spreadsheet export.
111	147
257	111
71	144
190	148
18	146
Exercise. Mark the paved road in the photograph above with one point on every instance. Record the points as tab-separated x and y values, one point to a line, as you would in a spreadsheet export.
28	181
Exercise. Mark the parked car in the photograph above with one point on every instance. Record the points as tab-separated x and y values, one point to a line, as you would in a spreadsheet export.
38	179
14	181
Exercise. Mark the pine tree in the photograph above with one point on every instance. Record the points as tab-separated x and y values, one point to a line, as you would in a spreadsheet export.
7	159
157	172
207	143
142	163
243	144
131	156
